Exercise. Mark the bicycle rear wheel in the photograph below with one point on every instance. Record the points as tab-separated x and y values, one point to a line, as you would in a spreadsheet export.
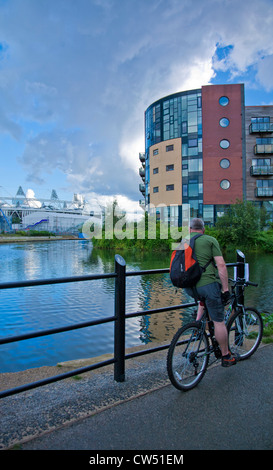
245	331
188	357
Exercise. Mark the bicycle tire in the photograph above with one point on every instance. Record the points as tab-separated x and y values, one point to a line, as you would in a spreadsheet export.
245	331
188	357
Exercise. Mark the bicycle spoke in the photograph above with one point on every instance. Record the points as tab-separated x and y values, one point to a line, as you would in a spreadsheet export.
245	332
187	357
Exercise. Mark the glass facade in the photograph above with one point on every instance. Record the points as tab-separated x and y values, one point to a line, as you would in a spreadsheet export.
178	116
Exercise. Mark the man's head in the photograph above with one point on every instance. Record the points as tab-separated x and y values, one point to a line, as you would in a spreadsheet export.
197	225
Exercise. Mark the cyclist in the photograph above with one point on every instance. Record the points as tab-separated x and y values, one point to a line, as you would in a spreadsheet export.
214	292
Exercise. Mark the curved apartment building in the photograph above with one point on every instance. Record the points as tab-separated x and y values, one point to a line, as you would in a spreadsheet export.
203	147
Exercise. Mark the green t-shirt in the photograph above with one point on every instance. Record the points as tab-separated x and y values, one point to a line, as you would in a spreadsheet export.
206	247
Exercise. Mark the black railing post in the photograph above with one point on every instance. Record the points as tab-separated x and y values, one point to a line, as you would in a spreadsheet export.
120	294
240	275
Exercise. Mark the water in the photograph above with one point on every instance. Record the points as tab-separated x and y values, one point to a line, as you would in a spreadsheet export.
44	307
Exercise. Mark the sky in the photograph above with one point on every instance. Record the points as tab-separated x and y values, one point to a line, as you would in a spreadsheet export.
77	76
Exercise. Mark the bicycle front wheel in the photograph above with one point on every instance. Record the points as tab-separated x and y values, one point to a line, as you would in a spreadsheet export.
188	357
245	331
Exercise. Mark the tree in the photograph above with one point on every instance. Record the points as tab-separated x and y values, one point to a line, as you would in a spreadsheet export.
240	224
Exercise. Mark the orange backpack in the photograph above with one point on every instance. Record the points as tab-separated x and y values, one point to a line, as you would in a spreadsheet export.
185	270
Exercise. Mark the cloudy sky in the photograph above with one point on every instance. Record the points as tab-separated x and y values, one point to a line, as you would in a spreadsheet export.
77	76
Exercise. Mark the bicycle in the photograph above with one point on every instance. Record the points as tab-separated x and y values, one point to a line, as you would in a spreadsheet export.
191	347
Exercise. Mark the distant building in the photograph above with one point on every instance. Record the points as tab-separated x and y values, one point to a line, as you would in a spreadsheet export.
204	147
24	212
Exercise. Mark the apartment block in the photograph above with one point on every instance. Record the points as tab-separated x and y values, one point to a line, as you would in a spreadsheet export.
205	148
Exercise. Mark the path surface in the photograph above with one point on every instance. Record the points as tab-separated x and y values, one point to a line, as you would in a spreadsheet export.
231	409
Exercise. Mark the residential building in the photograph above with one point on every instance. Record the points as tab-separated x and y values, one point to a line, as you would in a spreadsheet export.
205	148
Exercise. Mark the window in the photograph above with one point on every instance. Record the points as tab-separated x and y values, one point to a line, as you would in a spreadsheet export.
192	142
264	183
193	188
169	167
155	152
261	161
224	101
225	184
224	163
260	119
264	140
155	189
185	190
155	171
169	187
224	122
224	144
169	148
195	164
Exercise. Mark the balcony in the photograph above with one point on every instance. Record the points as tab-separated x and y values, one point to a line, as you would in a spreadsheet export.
265	170
142	188
260	127
263	148
141	172
142	157
264	192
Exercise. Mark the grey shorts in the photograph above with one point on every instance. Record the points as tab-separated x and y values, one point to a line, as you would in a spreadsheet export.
211	293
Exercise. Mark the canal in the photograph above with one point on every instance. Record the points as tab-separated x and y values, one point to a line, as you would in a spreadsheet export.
43	307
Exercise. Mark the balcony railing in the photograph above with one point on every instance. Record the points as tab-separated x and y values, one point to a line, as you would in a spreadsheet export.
264	192
141	172
265	170
260	127
142	157
263	148
142	188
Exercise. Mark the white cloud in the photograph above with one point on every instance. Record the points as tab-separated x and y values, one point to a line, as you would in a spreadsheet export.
265	72
200	73
31	200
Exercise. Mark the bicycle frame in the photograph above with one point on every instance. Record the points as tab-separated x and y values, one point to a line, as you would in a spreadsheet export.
213	344
234	305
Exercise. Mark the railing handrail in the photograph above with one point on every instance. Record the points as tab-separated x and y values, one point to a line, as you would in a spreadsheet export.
119	318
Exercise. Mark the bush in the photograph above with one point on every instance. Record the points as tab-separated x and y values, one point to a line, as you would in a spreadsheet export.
35	233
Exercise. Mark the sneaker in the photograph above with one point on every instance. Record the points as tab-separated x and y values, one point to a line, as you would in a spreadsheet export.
229	360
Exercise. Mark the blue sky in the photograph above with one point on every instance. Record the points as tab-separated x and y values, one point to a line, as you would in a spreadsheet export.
76	78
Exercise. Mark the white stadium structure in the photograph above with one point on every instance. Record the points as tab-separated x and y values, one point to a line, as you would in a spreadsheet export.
24	212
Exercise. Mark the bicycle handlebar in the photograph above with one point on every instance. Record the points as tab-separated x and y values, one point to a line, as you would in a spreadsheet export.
243	282
248	283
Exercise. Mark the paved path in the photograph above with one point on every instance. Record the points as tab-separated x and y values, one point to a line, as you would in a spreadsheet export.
231	409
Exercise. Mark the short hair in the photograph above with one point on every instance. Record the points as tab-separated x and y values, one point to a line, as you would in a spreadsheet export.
197	224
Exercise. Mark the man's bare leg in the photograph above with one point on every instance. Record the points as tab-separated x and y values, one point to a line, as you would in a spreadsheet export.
221	336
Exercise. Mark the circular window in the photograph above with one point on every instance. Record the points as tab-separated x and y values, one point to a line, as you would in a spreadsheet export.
224	163
225	184
223	100
224	122
224	144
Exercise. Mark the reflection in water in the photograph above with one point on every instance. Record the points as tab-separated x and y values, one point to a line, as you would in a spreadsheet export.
43	307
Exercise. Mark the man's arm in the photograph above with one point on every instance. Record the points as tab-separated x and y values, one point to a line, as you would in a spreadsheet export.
222	271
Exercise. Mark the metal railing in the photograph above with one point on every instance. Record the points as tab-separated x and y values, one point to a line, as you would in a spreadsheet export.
265	170
119	320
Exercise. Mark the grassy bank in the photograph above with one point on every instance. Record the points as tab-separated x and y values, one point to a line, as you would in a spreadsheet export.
261	242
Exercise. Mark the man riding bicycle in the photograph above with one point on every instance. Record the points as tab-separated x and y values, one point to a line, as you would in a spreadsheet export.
214	292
